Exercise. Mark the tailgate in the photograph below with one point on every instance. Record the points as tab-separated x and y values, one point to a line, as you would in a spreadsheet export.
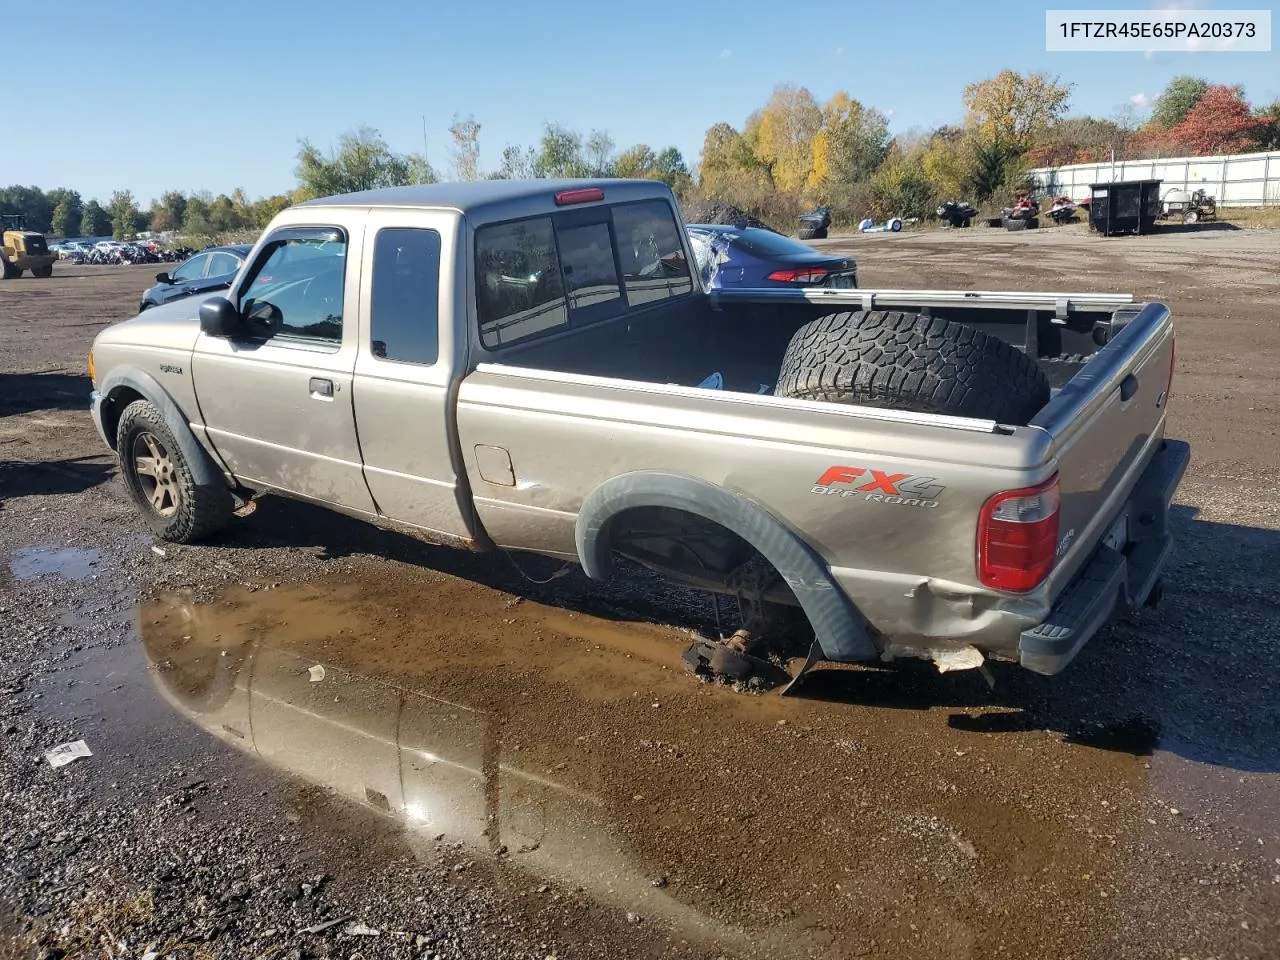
1106	425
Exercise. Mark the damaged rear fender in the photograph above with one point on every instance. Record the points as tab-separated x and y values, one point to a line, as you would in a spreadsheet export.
838	626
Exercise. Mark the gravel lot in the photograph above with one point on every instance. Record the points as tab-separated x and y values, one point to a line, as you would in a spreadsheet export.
259	707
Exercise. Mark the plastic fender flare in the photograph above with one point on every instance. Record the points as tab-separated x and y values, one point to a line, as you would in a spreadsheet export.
203	469
836	623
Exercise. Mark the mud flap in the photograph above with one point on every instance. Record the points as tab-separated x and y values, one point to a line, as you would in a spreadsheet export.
813	659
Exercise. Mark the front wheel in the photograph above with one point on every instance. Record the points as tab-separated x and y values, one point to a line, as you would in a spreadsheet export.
44	273
1191	216
160	481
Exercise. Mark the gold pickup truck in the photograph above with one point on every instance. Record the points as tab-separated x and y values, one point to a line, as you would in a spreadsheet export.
535	366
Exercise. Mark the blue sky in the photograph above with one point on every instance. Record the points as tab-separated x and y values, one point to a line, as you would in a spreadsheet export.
216	96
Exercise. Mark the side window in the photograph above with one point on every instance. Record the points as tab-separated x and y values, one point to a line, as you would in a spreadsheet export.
654	266
193	269
518	287
590	274
223	264
404	319
296	286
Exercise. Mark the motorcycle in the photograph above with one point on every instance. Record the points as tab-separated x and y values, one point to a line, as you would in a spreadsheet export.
955	214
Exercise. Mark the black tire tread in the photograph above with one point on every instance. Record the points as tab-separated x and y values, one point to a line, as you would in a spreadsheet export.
202	511
810	233
905	361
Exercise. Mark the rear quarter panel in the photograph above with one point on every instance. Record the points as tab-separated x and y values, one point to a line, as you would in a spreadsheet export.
567	435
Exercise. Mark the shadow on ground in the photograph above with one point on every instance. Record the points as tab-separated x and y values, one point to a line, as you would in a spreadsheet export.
25	478
49	390
1172	678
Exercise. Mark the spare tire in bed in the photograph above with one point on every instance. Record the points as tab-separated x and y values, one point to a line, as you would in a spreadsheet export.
905	361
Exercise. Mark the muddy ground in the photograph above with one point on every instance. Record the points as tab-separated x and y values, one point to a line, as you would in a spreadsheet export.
309	720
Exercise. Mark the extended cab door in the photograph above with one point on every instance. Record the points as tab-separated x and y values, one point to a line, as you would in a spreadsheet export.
408	353
276	403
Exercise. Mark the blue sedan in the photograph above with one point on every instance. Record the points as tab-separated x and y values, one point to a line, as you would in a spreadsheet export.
213	268
754	257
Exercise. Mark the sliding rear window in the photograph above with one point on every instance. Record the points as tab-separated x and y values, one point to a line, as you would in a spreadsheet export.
538	276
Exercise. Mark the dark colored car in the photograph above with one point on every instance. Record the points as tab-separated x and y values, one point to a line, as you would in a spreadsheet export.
213	268
754	257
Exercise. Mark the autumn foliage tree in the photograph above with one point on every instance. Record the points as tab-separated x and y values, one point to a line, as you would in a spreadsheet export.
1220	122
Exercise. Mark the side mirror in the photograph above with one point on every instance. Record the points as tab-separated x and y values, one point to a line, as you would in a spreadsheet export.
220	318
163	278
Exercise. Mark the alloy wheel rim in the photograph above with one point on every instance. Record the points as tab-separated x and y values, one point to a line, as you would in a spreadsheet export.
157	474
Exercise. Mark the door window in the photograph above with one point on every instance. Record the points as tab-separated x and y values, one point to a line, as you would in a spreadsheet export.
404	313
296	288
193	269
223	264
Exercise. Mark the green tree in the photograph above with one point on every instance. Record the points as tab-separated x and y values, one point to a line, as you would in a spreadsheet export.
124	215
635	162
264	210
559	153
196	221
599	154
900	188
1179	96
168	211
517	164
30	203
67	211
94	221
466	147
670	168
360	161
1267	133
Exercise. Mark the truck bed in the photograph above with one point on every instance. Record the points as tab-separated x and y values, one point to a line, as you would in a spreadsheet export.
742	335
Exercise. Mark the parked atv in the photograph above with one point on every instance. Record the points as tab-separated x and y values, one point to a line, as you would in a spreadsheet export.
955	214
814	224
1022	215
1063	210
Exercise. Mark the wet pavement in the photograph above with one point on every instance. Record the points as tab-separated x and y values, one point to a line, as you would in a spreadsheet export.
880	813
235	807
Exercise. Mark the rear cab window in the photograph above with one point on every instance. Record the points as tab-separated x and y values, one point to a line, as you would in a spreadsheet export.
541	275
404	312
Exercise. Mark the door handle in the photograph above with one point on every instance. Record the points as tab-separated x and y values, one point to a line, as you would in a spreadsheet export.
320	388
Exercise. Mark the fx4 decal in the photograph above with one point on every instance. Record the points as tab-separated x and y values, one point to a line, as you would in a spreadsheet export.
879	486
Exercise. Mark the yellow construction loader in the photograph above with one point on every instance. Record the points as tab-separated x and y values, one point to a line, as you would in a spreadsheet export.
24	249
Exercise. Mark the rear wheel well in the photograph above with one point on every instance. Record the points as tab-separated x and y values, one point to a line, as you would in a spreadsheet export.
691	550
115	405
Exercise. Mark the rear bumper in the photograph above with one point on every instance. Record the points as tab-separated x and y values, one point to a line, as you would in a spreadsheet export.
1114	581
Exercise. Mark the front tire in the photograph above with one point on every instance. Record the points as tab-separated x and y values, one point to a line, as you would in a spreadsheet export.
44	273
160	481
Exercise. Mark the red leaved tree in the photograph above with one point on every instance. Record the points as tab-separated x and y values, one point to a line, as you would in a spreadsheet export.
1220	122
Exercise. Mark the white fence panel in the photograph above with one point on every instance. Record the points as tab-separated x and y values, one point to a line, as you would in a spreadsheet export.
1243	180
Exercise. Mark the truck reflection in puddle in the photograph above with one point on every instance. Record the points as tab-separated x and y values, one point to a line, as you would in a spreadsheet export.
436	766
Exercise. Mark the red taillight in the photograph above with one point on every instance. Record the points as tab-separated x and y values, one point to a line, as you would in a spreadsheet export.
1018	537
585	195
808	275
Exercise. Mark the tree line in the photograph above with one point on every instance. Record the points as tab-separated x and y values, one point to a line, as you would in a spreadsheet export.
792	153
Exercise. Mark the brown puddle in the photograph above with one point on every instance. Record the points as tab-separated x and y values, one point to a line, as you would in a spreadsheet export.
577	750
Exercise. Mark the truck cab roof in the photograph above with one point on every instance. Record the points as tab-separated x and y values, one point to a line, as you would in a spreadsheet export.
485	199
